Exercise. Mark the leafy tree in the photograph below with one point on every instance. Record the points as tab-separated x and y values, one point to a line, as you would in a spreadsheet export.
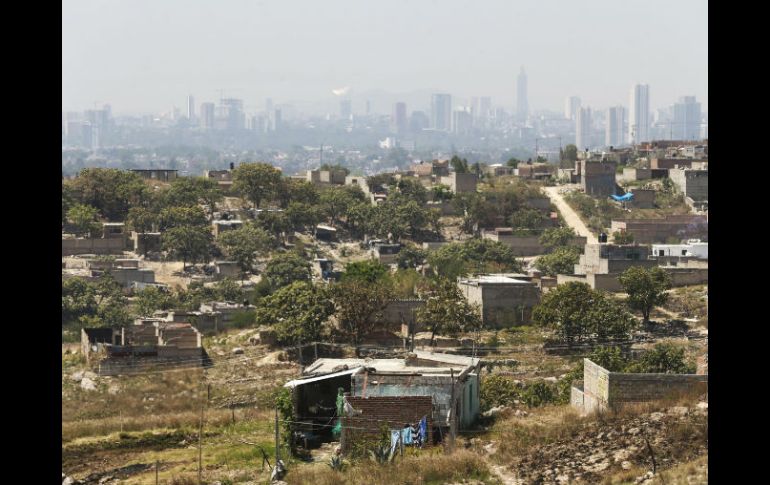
361	218
256	182
285	269
299	191
78	299
336	201
67	200
141	219
244	245
274	223
441	192
527	219
446	310
412	188
378	182
561	261
191	191
610	358
411	256
479	255
570	153
171	217
555	237
150	299
297	312
497	390
337	167
576	312
646	288
195	294
228	289
99	304
622	237
460	165
111	191
303	217
190	243
359	305
84	218
664	358
538	393
368	271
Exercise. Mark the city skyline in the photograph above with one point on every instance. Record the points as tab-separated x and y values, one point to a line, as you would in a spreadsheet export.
142	57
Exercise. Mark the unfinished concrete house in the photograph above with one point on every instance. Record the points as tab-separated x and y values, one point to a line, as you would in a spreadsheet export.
153	344
598	177
505	299
536	171
326	177
523	245
601	389
220	226
664	230
693	184
385	253
460	182
387	391
162	175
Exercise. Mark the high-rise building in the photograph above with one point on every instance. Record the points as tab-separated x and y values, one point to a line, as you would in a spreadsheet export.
368	107
522	106
687	119
231	115
571	107
441	112
191	108
613	133
583	129
639	114
418	121
277	120
207	116
462	121
485	107
399	119
346	109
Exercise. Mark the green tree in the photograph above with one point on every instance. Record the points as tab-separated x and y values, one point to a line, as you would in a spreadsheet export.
622	237
111	191
460	165
359	304
285	269
244	245
297	312
256	182
150	299
526	219
646	288
228	289
576	312
555	237
474	255
303	217
141	219
570	153
411	256
336	167
664	358
85	219
561	261
411	188
368	271
189	243
171	217
446	310
191	191
99	304
335	201
513	162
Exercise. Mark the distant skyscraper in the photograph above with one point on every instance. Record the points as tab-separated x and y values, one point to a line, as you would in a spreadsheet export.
277	120
522	106
583	129
190	108
368	107
687	119
399	119
418	121
232	114
571	107
346	109
207	116
486	107
614	134
462	121
639	114
441	112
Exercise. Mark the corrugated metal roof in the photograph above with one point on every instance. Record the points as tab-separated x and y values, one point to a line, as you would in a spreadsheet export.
298	382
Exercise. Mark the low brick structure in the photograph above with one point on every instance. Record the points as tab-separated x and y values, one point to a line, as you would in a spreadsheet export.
379	411
602	389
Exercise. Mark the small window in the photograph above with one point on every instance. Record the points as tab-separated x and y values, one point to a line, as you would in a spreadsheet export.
661	252
684	252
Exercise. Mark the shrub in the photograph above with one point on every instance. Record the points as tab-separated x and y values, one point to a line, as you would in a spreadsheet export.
538	393
497	390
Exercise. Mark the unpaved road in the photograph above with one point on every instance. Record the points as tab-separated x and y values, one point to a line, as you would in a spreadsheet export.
570	216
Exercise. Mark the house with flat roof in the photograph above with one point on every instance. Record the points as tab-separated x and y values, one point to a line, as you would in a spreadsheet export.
504	299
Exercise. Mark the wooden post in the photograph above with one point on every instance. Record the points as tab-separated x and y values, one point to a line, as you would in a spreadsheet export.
452	412
200	449
232	409
315	350
157	465
277	446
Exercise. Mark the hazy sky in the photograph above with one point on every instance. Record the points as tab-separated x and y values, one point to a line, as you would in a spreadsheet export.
147	55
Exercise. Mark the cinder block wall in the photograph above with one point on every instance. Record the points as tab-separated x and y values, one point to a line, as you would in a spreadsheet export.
71	247
377	412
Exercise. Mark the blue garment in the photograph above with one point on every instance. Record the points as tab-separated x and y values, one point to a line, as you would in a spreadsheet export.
423	433
406	436
395	435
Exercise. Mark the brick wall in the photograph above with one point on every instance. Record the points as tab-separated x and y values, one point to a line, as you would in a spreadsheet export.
70	247
392	411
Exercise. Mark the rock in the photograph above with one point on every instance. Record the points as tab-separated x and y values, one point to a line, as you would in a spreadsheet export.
237	350
77	376
87	384
621	455
494	411
520	413
550	379
254	340
68	481
113	389
626	465
679	410
633	431
657	416
703	406
89	374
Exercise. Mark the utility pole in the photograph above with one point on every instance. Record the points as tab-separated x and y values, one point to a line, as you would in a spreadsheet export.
200	449
452	413
157	464
277	449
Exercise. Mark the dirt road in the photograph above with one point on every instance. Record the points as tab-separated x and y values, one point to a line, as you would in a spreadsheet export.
569	215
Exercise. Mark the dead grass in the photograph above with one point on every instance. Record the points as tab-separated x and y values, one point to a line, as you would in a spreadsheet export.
693	472
424	469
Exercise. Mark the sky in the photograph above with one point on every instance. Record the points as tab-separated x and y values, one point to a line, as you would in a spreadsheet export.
145	56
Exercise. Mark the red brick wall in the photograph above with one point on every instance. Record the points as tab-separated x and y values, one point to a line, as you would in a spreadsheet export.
394	411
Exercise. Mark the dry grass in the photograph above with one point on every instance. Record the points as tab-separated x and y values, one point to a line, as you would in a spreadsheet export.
424	469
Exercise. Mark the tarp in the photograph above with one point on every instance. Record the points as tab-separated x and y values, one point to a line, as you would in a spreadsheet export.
623	198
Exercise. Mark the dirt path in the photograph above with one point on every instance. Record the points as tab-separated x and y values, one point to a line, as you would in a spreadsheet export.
570	216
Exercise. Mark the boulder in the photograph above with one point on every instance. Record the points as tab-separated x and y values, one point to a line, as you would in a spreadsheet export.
237	350
87	384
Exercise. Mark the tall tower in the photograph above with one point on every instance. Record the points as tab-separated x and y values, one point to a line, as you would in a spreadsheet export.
399	120
571	107
522	106
583	129
613	134
639	114
441	112
687	119
190	107
207	116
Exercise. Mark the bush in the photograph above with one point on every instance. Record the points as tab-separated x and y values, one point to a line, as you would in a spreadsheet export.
538	394
497	390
